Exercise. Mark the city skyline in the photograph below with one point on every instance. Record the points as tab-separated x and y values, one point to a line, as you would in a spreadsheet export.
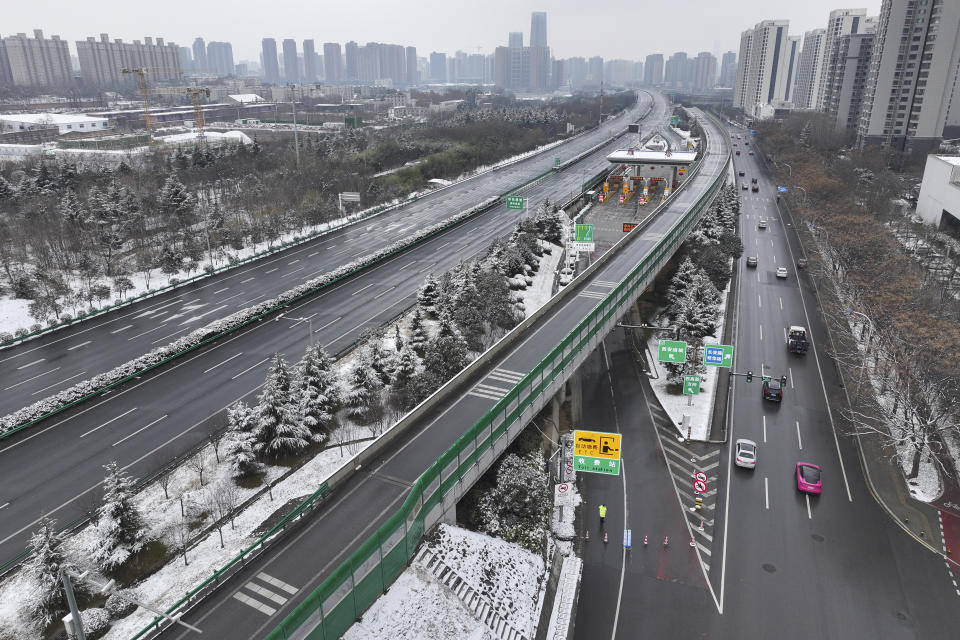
483	27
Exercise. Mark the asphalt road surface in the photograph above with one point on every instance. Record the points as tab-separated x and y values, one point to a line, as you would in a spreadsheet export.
788	565
365	501
41	367
147	422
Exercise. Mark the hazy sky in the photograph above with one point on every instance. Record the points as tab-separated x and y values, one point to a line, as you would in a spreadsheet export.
612	29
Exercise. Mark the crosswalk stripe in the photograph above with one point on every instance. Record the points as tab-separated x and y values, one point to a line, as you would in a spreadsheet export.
486	396
259	606
501	378
280	584
703	548
491	389
509	372
706	566
266	593
592	294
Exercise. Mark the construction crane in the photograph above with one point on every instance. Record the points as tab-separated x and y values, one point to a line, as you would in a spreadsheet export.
144	95
195	93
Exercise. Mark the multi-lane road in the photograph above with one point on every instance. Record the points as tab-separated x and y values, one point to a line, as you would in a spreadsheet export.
55	468
782	563
41	367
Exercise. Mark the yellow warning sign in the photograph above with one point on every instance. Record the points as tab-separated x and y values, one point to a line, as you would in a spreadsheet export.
596	444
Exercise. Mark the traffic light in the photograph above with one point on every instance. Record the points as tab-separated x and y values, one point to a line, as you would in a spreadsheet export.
749	376
783	380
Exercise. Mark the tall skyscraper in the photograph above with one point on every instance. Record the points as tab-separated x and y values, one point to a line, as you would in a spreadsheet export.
911	94
854	51
309	62
840	23
768	59
291	65
704	71
101	61
538	29
220	58
36	61
595	70
676	71
728	69
333	64
438	67
807	88
200	55
271	65
186	58
515	40
653	69
412	76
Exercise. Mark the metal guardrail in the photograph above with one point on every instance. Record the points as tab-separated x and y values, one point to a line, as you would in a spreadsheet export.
334	605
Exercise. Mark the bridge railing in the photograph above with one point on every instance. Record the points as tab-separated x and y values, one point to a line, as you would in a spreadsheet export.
343	596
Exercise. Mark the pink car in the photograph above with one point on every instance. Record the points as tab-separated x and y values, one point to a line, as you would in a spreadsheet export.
808	478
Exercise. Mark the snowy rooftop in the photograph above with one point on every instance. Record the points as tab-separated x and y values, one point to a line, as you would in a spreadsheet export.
51	118
640	156
954	160
211	136
246	98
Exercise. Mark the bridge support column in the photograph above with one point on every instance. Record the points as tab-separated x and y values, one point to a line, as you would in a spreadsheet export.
574	392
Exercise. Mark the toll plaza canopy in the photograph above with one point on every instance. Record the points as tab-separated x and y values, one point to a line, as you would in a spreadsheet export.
647	156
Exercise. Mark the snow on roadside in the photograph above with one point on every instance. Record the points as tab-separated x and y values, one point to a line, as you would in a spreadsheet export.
537	294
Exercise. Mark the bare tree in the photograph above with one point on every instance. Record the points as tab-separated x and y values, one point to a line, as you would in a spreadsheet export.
222	498
215	436
164	478
197	462
179	533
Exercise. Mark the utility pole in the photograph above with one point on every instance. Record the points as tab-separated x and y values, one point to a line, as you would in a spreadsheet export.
293	105
77	625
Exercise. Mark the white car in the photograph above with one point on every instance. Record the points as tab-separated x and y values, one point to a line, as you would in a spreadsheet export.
746	454
781	272
762	224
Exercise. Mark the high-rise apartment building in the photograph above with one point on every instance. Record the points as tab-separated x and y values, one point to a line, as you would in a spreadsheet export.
413	77
768	59
704	71
538	29
186	58
911	94
220	58
309	62
333	65
291	65
515	40
270	63
438	67
200	55
854	51
653	69
806	93
676	71
102	61
728	70
36	61
840	23
595	70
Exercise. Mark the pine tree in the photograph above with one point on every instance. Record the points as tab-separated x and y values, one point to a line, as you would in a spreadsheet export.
176	203
418	333
498	309
120	526
397	338
47	603
428	295
7	190
681	280
469	318
363	394
278	429
318	391
446	354
240	440
518	506
374	356
401	393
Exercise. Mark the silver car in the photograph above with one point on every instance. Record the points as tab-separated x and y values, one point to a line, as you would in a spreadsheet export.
746	454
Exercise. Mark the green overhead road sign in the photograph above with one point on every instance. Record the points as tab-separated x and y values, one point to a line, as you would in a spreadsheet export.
718	355
596	465
671	351
691	385
515	202
584	233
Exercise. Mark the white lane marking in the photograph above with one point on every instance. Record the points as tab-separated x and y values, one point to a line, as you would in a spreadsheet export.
4	505
170	336
206	313
272	270
799	441
764	428
781	304
280	584
40	375
784	335
443	245
290	273
372	284
236	295
77	346
121	329
221	290
247	280
759	301
224	362
307	319
24	366
58	383
367	321
790	371
809	513
108	422
313	254
761	370
409	264
139	430
249	369
293	262
383	293
159	326
766	492
339	318
761	332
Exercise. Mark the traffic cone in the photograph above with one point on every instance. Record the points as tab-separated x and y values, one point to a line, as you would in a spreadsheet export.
587	537
701	526
605	537
693	542
666	540
644	540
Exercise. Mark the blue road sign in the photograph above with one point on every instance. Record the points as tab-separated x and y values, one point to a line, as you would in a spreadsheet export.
782	189
628	538
753	132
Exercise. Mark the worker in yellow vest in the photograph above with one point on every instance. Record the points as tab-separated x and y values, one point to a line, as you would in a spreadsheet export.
603	513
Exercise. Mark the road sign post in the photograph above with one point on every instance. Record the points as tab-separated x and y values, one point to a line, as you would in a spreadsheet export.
596	452
718	355
671	351
691	387
516	202
583	238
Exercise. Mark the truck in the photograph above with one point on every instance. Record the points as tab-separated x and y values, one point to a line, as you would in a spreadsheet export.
797	340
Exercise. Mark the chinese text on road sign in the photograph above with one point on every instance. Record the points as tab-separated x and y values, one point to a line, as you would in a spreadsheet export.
515	202
718	355
671	351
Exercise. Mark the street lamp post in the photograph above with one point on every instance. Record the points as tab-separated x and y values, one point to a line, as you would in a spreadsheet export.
796	186
293	107
866	348
308	320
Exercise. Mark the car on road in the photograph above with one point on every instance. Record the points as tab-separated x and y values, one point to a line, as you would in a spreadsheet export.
751	153
809	478
751	261
738	151
743	186
772	390
762	224
802	263
781	272
746	454
742	173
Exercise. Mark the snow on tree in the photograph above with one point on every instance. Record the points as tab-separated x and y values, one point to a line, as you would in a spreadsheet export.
363	395
418	333
397	338
469	317
401	392
443	358
428	295
318	391
121	531
7	190
240	452
517	508
374	356
278	430
681	280
47	603
176	204
498	309
549	223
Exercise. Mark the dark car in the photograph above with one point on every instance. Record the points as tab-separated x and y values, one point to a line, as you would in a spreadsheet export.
751	261
802	263
772	390
738	151
742	174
